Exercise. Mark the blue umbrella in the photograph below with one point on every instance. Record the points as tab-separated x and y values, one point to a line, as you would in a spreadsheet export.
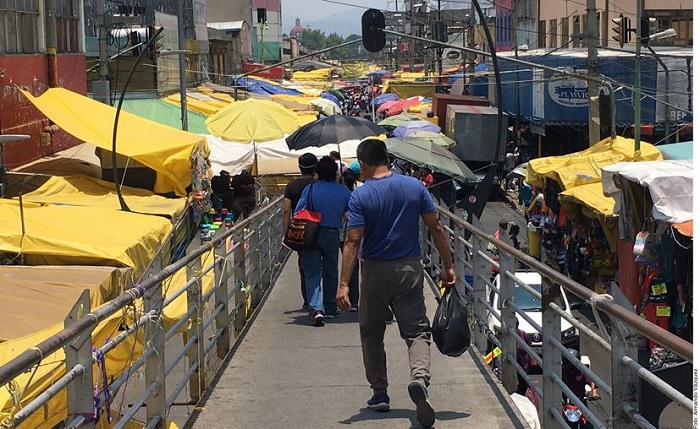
381	99
329	96
410	127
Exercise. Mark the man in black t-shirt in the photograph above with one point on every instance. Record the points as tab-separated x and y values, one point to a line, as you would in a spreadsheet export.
222	194
243	194
292	194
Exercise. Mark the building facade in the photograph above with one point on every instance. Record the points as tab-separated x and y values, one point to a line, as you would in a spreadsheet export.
32	32
267	25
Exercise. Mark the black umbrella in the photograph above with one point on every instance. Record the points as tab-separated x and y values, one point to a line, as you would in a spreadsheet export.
333	129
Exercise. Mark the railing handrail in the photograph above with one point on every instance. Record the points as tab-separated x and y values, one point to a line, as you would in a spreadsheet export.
653	332
35	355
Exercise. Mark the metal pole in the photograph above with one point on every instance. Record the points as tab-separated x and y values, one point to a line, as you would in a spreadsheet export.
102	40
181	58
470	41
667	106
464	59
638	81
592	37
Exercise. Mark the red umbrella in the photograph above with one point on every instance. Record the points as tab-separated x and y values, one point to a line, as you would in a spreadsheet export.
395	107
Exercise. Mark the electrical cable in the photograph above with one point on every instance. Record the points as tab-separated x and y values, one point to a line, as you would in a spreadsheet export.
115	128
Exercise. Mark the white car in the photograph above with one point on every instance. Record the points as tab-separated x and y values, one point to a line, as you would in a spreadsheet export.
532	306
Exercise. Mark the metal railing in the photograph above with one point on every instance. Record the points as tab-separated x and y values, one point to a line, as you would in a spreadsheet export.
472	256
245	261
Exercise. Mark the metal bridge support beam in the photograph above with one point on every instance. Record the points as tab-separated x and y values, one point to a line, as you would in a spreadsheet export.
481	272
79	352
625	382
155	339
223	281
255	259
239	264
195	307
509	346
551	356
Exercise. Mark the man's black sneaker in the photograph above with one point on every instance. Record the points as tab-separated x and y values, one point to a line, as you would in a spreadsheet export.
332	315
379	402
318	318
419	395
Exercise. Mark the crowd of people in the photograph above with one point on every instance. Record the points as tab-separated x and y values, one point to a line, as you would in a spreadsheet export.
236	193
356	100
374	214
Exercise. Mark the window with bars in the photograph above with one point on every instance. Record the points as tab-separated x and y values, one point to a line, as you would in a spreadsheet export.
553	33
524	9
67	25
542	34
564	31
576	31
19	26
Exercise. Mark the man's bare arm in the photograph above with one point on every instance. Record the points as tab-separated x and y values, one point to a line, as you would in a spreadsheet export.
437	232
351	248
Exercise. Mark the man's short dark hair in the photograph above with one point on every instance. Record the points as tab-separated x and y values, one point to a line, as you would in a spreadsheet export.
373	152
326	169
335	155
307	163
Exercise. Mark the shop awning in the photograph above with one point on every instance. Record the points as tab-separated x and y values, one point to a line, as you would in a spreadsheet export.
590	195
670	185
164	149
585	166
91	192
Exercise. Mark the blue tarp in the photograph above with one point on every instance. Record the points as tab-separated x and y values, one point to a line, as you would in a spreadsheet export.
329	96
383	98
265	88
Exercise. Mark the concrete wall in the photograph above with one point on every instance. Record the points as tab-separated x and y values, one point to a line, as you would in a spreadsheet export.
229	10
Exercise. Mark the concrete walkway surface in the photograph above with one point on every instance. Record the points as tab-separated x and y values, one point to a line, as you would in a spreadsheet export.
288	374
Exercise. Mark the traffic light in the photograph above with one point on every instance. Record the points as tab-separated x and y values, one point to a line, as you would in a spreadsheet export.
373	25
622	28
646	30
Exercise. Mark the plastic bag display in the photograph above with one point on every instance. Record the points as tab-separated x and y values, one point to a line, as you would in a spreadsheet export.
450	329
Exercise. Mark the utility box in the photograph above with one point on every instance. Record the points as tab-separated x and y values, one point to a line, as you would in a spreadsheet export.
441	101
474	128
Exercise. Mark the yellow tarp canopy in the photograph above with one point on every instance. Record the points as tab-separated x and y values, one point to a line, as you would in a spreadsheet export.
586	166
407	89
205	107
35	298
355	70
53	367
314	75
590	195
67	235
92	192
164	149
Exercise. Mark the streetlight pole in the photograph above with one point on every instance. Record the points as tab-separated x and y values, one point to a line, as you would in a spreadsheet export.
181	61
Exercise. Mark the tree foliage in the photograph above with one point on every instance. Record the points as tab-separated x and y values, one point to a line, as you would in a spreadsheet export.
317	39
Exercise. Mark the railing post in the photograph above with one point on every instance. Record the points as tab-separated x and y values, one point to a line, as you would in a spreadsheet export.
155	363
551	357
195	329
222	281
481	271
254	251
434	255
79	352
625	382
460	252
266	255
240	281
509	345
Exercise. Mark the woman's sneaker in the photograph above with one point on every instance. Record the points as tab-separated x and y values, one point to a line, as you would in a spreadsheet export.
318	318
379	402
419	395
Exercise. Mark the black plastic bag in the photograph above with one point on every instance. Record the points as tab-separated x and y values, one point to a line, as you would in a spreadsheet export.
450	329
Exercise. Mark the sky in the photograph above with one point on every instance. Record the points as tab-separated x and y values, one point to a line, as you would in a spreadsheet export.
332	16
327	16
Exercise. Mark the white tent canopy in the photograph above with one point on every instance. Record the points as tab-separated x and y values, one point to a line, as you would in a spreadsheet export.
670	184
234	157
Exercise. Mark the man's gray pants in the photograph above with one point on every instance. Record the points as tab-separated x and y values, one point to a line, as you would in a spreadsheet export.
397	284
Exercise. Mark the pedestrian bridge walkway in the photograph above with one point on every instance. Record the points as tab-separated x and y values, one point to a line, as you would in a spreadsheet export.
288	374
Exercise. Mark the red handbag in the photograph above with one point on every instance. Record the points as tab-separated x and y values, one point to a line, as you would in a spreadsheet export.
302	232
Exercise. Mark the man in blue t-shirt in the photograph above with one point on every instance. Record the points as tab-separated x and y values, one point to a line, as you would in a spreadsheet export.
383	225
